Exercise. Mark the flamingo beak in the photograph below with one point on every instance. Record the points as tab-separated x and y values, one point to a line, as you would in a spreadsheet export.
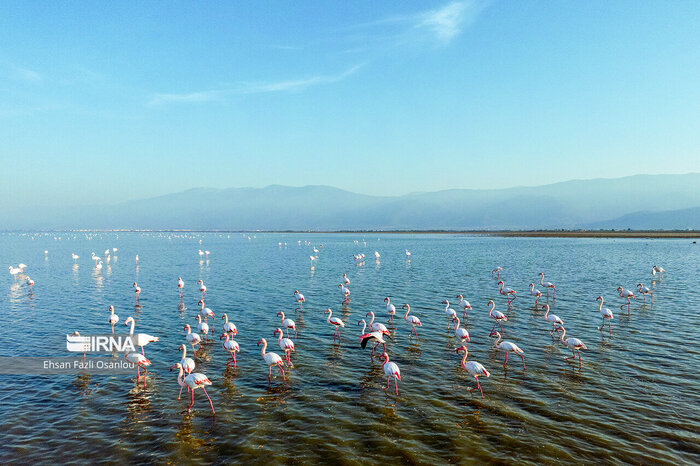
172	367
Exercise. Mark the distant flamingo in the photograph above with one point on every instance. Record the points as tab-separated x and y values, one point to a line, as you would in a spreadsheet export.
391	370
271	359
299	299
552	319
286	345
229	327
508	347
29	282
474	368
626	294
377	337
141	363
451	314
287	324
547	285
413	320
605	312
574	344
231	346
461	333
497	316
334	321
656	269
137	290
507	292
141	339
113	318
346	280
376	326
497	271
14	271
464	304
644	291
180	285
193	381
202	327
202	288
192	339
21	268
75	258
346	293
408	254
536	293
390	308
205	312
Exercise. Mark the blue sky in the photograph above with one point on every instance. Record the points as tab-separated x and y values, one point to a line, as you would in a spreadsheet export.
132	100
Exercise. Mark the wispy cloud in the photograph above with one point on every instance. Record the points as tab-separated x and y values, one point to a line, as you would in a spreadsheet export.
446	22
251	88
24	74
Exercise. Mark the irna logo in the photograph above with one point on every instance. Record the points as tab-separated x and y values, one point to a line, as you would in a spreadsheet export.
100	343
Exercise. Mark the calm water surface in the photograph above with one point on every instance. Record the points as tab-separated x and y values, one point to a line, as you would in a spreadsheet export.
635	398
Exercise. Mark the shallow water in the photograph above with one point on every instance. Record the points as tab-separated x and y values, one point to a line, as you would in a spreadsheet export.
634	398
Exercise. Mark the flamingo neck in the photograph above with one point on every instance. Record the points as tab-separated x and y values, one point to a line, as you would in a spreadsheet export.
464	359
131	332
330	313
282	313
447	306
561	337
262	351
371	321
180	377
364	326
280	337
497	339
545	314
502	284
493	305
600	308
225	319
457	326
184	351
542	279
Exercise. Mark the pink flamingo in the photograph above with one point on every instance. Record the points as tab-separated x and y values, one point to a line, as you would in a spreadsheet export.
391	370
574	344
536	293
376	326
346	280
192	339
346	293
137	290
29	282
508	347
231	346
141	363
180	285
464	304
474	368
372	336
286	345
461	333
299	299
193	381
509	293
202	327
390	308
497	316
334	321
413	320
288	323
451	314
113	318
229	327
605	312
205	312
626	294
187	364
554	320
202	288
271	359
548	285
497	271
644	291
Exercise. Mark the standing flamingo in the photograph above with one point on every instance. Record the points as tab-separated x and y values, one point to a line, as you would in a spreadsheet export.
29	282
271	359
334	321
193	381
367	337
14	271
548	285
376	326
508	347
286	345
231	346
180	285
390	308
464	304
474	368
299	299
656	269
626	294
497	271
574	344
346	280
346	293
391	370
75	258
497	316
451	314
202	288
141	363
137	291
205	312
644	291
287	324
229	327
536	293
461	333
413	320
192	339
141	339
113	318
605	312
509	293
187	364
552	319
202	327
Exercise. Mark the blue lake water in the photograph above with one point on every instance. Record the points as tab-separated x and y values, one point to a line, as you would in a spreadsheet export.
634	398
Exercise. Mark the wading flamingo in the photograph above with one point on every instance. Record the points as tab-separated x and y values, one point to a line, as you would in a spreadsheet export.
141	339
205	312
574	344
141	363
497	271
192	339
464	304
229	327
113	318
202	327
180	285
474	368
299	299
372	336
137	291
75	258
605	312
193	381
286	345
346	293
390	308
626	294
335	322
287	324
548	285
451	314
413	320
202	288
376	326
509	293
187	364
391	370
271	359
552	319
656	269
536	293
232	347
644	291
508	347
346	280
29	282
461	333
14	271
497	316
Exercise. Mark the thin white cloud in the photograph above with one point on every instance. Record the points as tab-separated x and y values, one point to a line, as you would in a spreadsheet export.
446	22
192	97
24	74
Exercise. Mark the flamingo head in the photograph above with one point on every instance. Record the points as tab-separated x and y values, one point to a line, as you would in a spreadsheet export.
462	348
134	284
340	285
262	340
368	314
386	299
362	320
181	347
327	311
619	288
177	365
128	320
541	274
444	302
224	335
468	306
385	357
277	330
199	318
459	296
344	275
531	285
490	302
296	292
199	282
500	283
278	314
111	308
200	303
545	306
186	327
599	298
639	285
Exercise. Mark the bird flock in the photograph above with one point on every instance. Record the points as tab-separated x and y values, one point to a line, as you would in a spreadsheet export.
373	333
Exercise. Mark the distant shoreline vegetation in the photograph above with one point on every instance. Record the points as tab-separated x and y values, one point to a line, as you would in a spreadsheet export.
502	233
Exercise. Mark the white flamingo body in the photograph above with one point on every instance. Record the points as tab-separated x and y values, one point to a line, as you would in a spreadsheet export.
229	327
113	318
271	359
535	292
547	285
390	308
474	368
497	316
365	338
335	322
193	381
141	363
285	344
574	344
299	299
232	347
507	292
413	320
605	312
451	314
192	338
508	347
202	327
644	291
140	339
461	333
391	370
288	324
376	326
557	323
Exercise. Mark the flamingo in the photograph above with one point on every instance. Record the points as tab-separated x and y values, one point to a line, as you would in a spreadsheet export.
75	258
205	312
201	254
626	294
137	290
507	292
311	261
656	269
141	363
29	282
142	339
288	323
202	327
391	370
229	327
413	320
451	314
547	285
508	347
299	299
574	344
554	320
605	312
461	333
187	364
536	293
136	259
346	293
231	346
474	368
286	345
346	280
376	326
99	266
14	271
180	285
367	337
202	288
192	339
464	304
113	318
497	271
193	381
206	254
376	255
644	291
337	323
408	254
271	359
21	268
497	316
390	308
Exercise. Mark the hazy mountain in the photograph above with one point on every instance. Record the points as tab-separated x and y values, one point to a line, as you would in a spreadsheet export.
609	203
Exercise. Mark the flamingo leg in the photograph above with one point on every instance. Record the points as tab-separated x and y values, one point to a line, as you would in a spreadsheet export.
269	373
145	372
415	330
396	385
144	354
523	358
573	355
191	404
506	361
387	383
234	359
179	394
210	403
283	375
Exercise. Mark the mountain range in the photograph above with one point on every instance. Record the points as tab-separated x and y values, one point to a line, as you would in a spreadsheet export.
636	202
